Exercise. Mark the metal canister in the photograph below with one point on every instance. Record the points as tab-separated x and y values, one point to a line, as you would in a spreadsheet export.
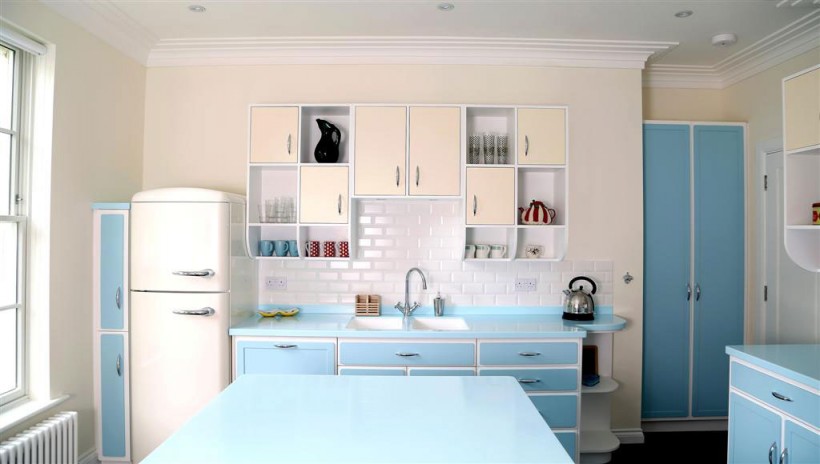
438	305
815	214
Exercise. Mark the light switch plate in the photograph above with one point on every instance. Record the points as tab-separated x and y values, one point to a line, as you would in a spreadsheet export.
526	285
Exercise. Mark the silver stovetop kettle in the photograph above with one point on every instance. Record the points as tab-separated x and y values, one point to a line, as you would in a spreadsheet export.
580	305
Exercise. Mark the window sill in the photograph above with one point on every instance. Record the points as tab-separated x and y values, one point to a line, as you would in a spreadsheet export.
24	411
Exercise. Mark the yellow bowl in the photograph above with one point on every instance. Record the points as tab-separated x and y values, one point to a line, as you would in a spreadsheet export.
279	312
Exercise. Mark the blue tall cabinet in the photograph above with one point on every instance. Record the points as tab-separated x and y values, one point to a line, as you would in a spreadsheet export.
110	305
694	266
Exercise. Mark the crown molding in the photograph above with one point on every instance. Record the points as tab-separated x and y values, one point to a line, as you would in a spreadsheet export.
105	20
405	50
798	37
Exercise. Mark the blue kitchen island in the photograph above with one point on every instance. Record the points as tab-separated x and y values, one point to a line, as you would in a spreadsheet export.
365	419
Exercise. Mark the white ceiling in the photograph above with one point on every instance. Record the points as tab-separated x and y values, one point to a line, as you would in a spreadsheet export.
757	23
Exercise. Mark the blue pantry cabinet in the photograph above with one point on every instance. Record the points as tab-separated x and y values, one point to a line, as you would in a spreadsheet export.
694	266
110	308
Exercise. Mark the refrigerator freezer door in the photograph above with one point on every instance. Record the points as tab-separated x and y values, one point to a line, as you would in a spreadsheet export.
180	247
179	361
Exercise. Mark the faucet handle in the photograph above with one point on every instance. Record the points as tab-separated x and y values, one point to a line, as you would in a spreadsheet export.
413	308
399	306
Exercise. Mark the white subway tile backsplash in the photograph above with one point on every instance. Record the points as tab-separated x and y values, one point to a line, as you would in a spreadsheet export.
394	236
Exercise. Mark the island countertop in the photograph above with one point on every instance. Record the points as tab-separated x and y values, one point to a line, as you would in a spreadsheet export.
479	326
355	419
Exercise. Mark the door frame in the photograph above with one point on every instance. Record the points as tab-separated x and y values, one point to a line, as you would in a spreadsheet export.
762	150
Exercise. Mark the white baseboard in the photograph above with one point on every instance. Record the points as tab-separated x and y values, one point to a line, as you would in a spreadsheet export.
89	457
692	425
629	436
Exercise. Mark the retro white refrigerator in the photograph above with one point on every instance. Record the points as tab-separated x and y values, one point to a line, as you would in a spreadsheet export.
189	271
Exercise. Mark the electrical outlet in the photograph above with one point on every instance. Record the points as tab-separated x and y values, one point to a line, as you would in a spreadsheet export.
276	283
526	285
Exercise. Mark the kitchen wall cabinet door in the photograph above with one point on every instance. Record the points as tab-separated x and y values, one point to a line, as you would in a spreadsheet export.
801	104
490	196
542	136
274	134
754	432
709	294
112	413
435	151
323	194
380	150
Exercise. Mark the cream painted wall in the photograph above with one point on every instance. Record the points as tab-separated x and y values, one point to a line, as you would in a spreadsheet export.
97	141
683	104
197	123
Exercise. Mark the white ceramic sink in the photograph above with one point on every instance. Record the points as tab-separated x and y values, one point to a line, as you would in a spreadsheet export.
439	323
375	323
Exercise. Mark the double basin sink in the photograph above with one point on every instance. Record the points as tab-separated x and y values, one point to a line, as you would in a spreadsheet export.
413	323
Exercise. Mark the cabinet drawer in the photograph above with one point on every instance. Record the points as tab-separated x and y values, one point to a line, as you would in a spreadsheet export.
406	354
285	357
527	353
803	404
440	372
560	411
395	371
533	380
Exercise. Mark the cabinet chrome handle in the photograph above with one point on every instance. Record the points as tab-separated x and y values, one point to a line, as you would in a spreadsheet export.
397	176
784	455
202	273
781	397
475	204
526	145
118	298
119	366
406	355
529	381
288	143
285	347
207	311
417	176
697	292
772	452
339	204
688	292
529	354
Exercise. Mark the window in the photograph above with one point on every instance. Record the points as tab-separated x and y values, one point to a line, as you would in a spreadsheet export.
13	225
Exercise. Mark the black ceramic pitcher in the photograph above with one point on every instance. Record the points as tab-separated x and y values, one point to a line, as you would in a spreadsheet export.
327	150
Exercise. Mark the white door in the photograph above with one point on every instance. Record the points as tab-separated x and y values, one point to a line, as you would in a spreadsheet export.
793	303
435	151
180	247
179	362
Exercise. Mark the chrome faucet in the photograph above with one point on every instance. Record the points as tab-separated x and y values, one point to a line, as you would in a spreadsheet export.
406	309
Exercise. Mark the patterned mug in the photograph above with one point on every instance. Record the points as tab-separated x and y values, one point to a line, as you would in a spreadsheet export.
330	249
344	250
312	248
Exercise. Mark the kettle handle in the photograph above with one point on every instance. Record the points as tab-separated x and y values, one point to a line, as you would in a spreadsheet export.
594	287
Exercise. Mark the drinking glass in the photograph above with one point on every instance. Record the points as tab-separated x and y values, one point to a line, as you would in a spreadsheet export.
474	149
270	210
489	148
501	142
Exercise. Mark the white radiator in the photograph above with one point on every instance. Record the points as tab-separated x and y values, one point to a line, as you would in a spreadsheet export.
52	441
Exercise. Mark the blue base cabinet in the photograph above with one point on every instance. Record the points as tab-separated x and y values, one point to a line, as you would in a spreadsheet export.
694	266
110	309
770	419
262	355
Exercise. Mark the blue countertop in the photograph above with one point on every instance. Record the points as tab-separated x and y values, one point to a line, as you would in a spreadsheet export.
480	326
800	363
358	419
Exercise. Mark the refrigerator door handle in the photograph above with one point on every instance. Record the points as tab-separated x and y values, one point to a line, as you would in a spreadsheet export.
208	311
202	273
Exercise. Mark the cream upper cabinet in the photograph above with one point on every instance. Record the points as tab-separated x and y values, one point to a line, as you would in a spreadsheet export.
490	196
542	136
323	194
380	147
801	96
435	151
274	134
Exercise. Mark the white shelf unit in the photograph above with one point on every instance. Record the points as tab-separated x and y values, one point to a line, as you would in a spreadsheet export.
268	180
546	183
801	169
597	440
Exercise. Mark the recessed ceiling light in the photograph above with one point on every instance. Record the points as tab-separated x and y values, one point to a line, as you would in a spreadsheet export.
197	8
446	6
683	14
724	40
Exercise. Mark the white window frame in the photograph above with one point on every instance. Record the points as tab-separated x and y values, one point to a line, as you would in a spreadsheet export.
20	162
